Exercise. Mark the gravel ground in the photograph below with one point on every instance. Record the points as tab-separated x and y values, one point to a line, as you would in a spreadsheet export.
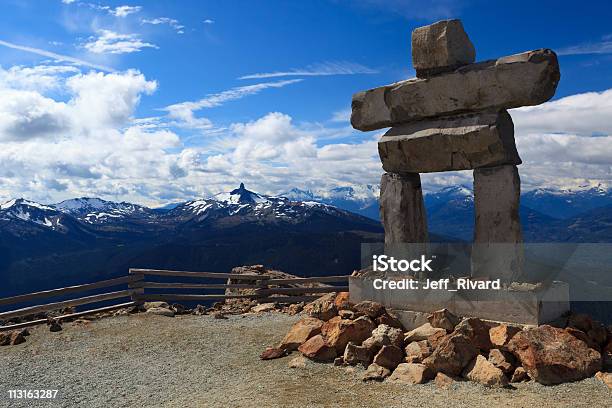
197	361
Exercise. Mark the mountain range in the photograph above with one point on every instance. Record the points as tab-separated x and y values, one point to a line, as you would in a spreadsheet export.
303	232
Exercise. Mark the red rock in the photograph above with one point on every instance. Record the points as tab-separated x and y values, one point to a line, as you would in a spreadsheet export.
503	360
323	308
369	308
273	352
435	339
300	332
342	301
477	331
580	335
605	378
501	335
354	354
12	338
443	381
519	375
412	373
451	356
443	319
422	333
484	372
417	351
552	355
376	373
338	332
317	349
389	357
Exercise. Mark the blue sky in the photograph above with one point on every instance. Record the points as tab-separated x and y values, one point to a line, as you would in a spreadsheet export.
163	101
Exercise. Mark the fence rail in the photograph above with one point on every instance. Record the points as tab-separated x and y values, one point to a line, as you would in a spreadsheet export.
264	289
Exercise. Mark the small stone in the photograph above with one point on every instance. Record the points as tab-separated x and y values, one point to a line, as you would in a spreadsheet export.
219	315
443	319
295	308
443	381
605	378
151	305
273	352
482	371
501	335
300	332
417	351
503	360
376	373
440	47
339	361
11	338
55	327
317	349
389	357
264	307
519	375
354	354
297	362
412	373
160	311
422	333
369	308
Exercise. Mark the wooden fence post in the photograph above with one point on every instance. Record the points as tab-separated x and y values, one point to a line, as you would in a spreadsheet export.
136	287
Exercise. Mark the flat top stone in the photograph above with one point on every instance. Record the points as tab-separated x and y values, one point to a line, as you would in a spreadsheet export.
440	45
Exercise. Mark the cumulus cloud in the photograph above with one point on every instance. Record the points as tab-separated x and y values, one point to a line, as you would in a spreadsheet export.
124	11
110	42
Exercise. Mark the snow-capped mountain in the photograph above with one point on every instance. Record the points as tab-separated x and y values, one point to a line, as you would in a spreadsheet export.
567	203
361	199
98	211
29	212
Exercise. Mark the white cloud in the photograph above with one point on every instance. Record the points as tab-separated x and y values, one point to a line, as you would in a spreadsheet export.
55	56
183	112
171	22
68	1
321	69
209	21
37	78
124	11
600	47
343	115
109	42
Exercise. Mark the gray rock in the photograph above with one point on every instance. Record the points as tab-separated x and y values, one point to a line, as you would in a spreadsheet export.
497	250
402	210
440	47
160	311
454	143
354	354
524	79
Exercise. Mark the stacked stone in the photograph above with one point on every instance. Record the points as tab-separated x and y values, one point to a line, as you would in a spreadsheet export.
453	116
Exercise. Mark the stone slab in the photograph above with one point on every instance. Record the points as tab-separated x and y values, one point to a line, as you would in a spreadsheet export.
461	142
440	47
525	79
519	307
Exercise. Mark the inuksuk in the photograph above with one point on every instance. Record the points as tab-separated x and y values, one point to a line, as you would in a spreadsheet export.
453	116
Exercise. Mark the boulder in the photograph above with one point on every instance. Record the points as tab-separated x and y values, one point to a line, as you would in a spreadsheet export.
323	308
519	375
443	381
12	338
440	47
389	357
161	311
552	355
317	349
354	354
525	79
369	308
435	339
264	307
503	360
482	371
273	352
300	332
497	229
461	142
389	320
500	335
342	301
412	373
422	333
580	335
338	332
605	378
477	331
443	319
417	351
402	209
151	305
451	356
376	373
386	335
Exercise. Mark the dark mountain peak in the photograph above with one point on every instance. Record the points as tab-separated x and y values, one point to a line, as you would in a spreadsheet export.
242	195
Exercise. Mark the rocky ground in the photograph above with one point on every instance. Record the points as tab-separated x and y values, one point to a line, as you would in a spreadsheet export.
185	361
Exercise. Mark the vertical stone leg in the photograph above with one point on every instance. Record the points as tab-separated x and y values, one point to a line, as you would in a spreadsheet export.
402	212
498	250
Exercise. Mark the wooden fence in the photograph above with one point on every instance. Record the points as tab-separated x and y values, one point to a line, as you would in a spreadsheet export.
263	288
